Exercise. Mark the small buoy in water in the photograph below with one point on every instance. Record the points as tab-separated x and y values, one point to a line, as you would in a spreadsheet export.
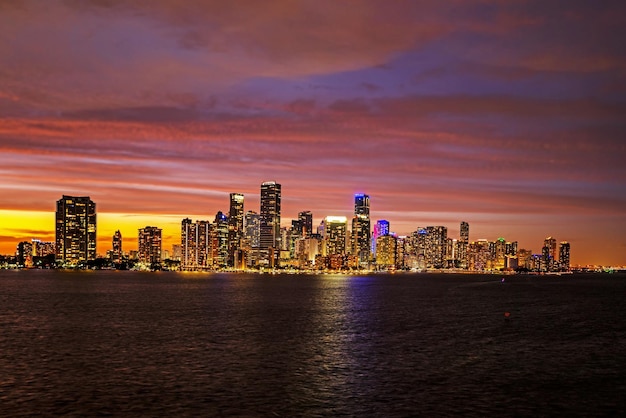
502	281
507	315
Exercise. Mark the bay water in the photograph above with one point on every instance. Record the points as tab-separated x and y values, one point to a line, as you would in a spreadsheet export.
120	343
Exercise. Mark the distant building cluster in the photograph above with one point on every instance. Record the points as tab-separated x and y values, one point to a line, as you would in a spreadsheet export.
242	240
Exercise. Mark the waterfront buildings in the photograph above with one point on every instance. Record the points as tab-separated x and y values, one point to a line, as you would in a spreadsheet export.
335	234
305	223
196	245
238	241
380	229
269	223
220	240
149	245
116	250
549	255
386	252
464	234
75	229
564	257
235	228
361	230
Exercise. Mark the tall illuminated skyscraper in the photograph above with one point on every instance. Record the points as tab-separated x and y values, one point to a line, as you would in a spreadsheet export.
380	229
436	243
116	253
235	226
220	239
462	245
386	252
549	254
361	228
149	245
269	220
75	229
305	220
251	229
564	259
335	228
362	205
196	245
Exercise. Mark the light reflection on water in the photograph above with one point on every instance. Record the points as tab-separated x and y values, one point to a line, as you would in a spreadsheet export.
123	343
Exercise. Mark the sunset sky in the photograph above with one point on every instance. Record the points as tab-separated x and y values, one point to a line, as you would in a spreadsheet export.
510	115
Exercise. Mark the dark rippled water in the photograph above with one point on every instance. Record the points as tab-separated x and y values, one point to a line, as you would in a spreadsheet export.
167	344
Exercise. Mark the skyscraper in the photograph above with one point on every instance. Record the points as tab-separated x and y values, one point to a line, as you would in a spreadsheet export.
269	221
196	246
251	229
361	228
436	243
380	229
75	229
149	245
386	251
305	220
235	226
463	243
116	253
362	205
335	235
548	254
564	262
220	254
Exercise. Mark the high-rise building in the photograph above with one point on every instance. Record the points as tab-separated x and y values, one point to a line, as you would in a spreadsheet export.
335	235
362	205
149	245
269	222
429	247
452	253
524	258
251	229
116	250
462	245
220	240
549	254
380	229
386	252
176	252
498	253
305	223
235	226
432	244
564	260
361	229
196	246
24	253
75	229
478	255
551	244
43	248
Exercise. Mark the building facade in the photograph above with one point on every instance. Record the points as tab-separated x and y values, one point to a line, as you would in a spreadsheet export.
564	256
116	247
75	230
235	227
269	222
149	245
196	245
361	229
335	233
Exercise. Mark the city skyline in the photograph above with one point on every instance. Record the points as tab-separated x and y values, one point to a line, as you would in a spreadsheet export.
228	241
506	116
237	242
